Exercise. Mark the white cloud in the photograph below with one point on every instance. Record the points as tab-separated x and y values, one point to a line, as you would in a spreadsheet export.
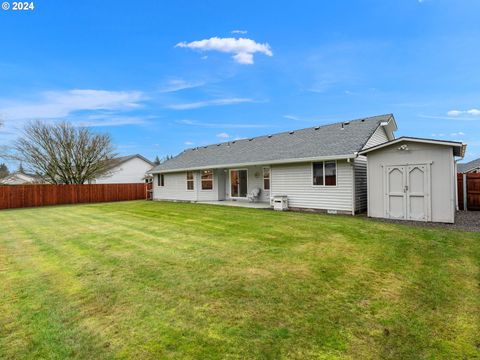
60	104
216	102
243	49
189	143
292	117
457	134
223	135
180	84
221	125
239	31
471	112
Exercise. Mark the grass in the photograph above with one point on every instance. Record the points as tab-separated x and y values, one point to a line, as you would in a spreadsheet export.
165	280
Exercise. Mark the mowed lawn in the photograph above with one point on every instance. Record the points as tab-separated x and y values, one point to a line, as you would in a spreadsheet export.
184	281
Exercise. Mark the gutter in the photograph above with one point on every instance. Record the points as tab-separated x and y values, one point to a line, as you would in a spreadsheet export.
269	162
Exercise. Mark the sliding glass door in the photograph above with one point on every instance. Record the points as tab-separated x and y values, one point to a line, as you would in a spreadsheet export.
238	183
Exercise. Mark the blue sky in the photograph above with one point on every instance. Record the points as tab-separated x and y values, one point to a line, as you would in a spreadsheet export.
163	76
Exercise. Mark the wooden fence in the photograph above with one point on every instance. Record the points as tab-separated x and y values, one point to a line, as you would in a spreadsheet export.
21	196
469	191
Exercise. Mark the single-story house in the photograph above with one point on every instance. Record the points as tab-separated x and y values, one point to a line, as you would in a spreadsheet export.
413	179
471	167
316	168
21	178
125	170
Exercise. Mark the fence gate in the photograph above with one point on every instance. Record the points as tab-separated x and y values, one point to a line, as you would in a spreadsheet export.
469	192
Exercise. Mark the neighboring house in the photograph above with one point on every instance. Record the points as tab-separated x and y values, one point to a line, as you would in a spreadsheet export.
20	178
316	168
470	167
413	179
126	169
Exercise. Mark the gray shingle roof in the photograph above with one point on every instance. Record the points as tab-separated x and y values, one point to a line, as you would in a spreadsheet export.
315	142
466	167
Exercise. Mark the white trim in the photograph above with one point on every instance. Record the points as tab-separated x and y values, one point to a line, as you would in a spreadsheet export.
422	141
241	165
324	186
230	184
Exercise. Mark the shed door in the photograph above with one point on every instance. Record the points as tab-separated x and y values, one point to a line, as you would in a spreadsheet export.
417	190
407	194
395	196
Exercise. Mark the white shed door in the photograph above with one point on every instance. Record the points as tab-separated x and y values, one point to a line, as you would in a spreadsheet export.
395	192
407	192
418	183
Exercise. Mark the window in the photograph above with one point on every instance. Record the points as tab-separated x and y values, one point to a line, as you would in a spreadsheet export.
266	178
207	179
318	173
161	180
325	173
330	173
190	180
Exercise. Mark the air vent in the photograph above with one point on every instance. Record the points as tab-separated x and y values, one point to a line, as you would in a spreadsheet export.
250	139
363	120
317	127
233	142
219	144
269	136
291	132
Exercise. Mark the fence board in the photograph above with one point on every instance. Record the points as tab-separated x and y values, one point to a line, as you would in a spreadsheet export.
473	192
21	196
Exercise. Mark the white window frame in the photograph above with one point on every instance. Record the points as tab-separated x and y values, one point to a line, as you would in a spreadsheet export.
213	181
269	178
323	162
192	180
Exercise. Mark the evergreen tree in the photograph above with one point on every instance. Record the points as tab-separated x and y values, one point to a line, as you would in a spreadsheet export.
3	171
157	160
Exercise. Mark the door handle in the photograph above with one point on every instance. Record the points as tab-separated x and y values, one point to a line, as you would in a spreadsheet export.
405	189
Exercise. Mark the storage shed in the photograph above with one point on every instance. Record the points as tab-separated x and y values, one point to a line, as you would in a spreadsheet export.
413	179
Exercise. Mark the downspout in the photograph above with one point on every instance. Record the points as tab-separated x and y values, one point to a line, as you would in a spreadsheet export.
354	184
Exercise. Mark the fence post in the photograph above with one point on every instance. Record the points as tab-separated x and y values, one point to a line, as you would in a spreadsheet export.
465	195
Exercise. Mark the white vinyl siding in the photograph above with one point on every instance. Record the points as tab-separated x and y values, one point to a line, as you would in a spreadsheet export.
131	171
175	188
378	137
295	181
360	166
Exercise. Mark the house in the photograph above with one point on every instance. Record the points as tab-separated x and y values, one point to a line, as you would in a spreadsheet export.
413	179
125	170
20	178
470	167
316	168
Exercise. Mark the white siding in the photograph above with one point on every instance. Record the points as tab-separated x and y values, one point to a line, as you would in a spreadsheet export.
175	188
378	137
131	171
295	181
443	180
360	165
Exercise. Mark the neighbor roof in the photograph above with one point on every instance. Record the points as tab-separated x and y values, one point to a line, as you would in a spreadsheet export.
466	167
335	141
458	147
122	159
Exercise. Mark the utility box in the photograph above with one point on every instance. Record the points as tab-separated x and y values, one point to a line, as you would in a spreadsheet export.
280	202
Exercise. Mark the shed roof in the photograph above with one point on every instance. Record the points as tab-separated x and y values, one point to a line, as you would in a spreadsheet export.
338	140
458	147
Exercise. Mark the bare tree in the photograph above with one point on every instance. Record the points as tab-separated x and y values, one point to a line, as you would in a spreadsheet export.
62	153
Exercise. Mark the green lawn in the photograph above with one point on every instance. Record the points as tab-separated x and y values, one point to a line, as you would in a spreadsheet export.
184	281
